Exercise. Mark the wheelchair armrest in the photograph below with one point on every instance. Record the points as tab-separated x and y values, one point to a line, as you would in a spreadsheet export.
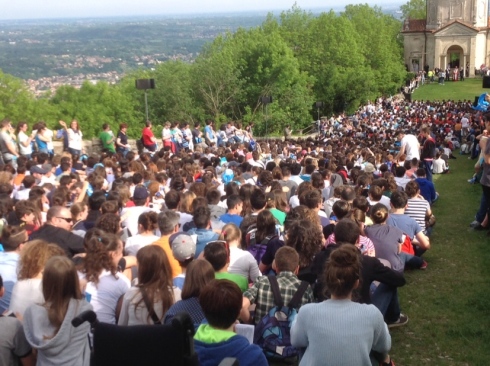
88	315
229	361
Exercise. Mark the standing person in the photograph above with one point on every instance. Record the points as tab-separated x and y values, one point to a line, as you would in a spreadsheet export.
287	132
409	146
147	137
167	137
7	143
75	137
107	138
48	326
428	151
43	137
485	179
25	141
197	136
339	331
122	145
209	134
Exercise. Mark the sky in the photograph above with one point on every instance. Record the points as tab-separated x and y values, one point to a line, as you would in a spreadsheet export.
42	9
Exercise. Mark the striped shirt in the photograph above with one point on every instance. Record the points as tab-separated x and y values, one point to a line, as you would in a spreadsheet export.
417	209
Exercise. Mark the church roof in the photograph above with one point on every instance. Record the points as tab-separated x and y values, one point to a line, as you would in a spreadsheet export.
456	22
414	25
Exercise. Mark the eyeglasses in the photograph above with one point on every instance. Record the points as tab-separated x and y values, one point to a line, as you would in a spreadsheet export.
68	220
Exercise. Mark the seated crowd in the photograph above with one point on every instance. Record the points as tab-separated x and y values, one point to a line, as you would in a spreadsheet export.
220	229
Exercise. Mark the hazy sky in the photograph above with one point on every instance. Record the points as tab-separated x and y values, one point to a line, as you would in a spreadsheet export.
33	9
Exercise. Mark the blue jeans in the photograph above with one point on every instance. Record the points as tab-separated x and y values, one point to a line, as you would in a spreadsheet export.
74	152
411	261
482	211
428	170
385	298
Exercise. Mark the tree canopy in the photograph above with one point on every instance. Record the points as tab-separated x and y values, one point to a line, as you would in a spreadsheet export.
297	58
414	9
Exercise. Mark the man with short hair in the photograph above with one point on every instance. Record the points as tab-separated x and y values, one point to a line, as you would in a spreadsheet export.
235	204
107	138
427	188
405	223
203	231
57	230
286	265
168	223
409	146
132	214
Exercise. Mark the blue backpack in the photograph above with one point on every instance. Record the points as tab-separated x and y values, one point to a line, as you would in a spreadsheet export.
273	333
256	249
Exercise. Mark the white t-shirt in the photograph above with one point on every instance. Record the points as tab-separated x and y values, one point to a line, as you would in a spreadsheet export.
74	139
26	293
135	243
384	200
48	134
243	263
411	147
133	214
104	296
22	139
132	315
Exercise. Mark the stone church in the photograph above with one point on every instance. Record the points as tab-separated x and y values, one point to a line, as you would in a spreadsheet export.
455	33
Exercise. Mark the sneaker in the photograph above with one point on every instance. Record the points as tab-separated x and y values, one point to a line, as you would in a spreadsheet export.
402	320
474	224
424	265
472	180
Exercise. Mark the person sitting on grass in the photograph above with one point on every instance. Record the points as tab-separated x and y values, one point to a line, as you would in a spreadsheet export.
427	188
221	301
218	254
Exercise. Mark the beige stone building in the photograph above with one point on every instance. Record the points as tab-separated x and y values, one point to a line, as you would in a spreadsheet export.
455	33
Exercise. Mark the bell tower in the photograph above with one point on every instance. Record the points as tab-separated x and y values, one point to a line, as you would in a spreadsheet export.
443	12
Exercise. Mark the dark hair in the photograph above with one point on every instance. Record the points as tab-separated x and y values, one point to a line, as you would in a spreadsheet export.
266	225
232	201
96	200
311	198
172	199
198	274
412	188
347	231
213	196
342	271
201	218
258	199
217	253
341	209
110	207
399	199
221	302
148	220
379	213
109	223
306	237
12	237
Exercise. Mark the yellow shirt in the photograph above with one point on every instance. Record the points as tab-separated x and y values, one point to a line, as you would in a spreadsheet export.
174	264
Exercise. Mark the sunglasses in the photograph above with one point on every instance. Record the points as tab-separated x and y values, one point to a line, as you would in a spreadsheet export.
66	219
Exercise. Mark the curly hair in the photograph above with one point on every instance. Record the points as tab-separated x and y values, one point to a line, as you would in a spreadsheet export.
34	256
98	246
109	222
306	237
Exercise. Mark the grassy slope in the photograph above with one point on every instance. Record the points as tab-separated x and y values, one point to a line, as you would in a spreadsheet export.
448	304
467	89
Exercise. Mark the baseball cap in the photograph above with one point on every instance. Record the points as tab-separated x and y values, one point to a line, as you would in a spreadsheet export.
183	247
36	169
140	193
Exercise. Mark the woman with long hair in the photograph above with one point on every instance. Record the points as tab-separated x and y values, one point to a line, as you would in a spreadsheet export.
47	326
198	274
340	331
147	224
25	146
149	300
75	137
28	290
105	285
242	261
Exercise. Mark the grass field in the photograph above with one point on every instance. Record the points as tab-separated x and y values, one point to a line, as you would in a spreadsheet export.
460	90
449	304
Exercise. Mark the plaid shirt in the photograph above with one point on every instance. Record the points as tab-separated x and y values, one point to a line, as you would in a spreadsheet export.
261	294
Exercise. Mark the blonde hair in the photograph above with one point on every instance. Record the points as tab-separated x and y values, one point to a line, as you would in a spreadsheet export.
230	232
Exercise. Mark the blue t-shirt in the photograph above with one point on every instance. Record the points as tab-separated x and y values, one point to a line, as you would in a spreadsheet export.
208	132
231	219
405	223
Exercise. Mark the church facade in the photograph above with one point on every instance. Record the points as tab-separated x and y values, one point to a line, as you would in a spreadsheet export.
455	34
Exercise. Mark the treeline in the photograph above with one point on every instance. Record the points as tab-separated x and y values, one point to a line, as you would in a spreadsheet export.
341	59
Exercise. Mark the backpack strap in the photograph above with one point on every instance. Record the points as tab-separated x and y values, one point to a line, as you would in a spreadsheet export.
153	316
296	300
278	300
267	239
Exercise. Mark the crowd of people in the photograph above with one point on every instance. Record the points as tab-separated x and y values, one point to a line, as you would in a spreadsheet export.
221	225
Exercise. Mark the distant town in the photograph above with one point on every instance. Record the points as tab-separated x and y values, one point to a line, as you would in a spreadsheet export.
50	53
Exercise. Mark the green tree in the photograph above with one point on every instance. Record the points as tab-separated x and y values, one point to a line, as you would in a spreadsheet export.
414	9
